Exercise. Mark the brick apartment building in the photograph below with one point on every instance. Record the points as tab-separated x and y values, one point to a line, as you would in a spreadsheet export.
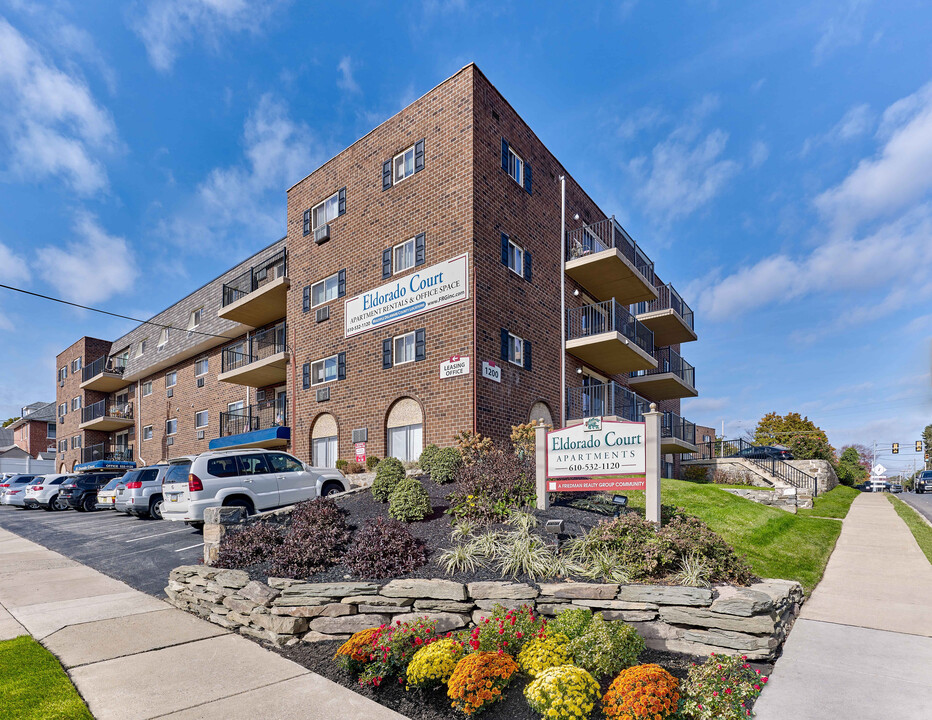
36	430
416	294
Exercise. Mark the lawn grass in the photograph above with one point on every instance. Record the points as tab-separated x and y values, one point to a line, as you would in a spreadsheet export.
917	526
33	685
776	543
834	504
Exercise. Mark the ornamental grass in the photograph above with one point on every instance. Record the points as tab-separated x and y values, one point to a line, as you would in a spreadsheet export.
643	692
563	692
434	663
479	679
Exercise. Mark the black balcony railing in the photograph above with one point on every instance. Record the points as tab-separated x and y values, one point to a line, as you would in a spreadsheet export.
257	276
107	408
603	235
606	399
608	316
673	426
744	450
101	365
107	451
261	416
670	361
668	299
257	347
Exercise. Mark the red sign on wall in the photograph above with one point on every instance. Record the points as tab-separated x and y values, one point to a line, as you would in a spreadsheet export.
596	484
361	453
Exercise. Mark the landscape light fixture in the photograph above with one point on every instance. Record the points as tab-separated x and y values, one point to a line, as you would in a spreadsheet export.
554	527
620	502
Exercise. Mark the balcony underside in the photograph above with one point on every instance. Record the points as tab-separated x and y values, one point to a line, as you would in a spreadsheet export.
261	306
668	327
611	352
267	438
662	386
106	423
105	382
609	274
261	373
675	446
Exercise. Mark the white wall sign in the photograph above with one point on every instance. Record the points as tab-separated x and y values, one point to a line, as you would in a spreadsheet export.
616	448
456	365
491	371
422	291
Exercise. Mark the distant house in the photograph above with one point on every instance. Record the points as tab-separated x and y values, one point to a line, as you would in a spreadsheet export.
34	434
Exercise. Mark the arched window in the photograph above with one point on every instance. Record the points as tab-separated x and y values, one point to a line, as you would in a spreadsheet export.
404	430
324	444
539	410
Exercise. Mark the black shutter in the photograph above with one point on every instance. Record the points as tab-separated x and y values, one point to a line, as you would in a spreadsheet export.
306	302
420	344
504	345
504	250
386	263
504	155
341	283
386	353
420	251
527	354
307	222
306	375
341	366
419	156
527	177
341	201
386	174
527	265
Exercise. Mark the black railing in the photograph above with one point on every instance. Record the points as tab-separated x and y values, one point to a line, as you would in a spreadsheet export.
604	235
670	361
101	365
673	426
606	399
106	408
257	347
608	316
107	451
747	451
667	299
261	416
257	276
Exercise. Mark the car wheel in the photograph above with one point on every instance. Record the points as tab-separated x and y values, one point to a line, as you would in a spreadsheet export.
243	503
331	488
155	508
89	504
58	503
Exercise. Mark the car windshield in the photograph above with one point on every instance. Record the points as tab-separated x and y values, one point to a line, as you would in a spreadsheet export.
178	473
113	483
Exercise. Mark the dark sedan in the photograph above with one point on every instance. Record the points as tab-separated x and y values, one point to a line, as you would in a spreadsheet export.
764	452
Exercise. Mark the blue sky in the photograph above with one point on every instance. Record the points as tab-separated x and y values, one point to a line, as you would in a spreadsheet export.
774	160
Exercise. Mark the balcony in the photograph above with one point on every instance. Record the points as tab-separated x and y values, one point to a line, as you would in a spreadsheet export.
604	259
677	435
259	361
107	452
607	399
263	425
668	316
672	378
107	416
259	295
105	374
608	337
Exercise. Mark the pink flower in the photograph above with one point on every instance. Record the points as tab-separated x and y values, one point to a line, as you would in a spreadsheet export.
519	635
756	686
715	694
763	678
728	691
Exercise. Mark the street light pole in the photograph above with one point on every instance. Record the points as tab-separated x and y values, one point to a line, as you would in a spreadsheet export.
562	301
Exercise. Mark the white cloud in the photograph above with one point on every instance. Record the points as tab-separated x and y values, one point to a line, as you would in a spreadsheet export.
51	126
167	25
842	30
857	121
345	80
641	119
14	270
75	270
759	153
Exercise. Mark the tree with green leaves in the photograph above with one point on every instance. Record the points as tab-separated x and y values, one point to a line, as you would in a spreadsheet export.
850	471
802	436
927	440
9	421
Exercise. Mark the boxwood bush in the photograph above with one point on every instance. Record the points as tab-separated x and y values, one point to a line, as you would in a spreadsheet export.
409	501
444	465
427	457
388	473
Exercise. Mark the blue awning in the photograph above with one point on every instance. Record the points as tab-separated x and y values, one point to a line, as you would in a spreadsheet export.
105	465
269	437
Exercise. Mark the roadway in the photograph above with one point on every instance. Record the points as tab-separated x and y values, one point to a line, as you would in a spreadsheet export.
921	503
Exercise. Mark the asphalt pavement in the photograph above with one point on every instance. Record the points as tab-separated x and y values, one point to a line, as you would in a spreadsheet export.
921	503
139	552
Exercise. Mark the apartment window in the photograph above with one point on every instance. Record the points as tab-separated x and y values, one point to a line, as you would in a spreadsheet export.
324	451
171	426
515	167
51	430
195	318
200	367
76	403
75	442
236	407
406	442
171	379
147	388
75	365
324	371
404	348
325	290
515	350
142	347
163	338
404	256
404	165
200	419
147	432
63	409
326	211
515	258
62	373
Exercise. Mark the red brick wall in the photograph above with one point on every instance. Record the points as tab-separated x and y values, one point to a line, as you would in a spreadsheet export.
88	349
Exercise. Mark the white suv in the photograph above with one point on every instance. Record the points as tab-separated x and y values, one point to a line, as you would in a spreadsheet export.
253	479
43	492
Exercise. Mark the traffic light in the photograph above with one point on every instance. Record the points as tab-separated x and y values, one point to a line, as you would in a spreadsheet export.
919	446
896	448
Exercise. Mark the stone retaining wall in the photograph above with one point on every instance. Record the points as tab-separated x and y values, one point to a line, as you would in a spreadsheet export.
782	498
753	620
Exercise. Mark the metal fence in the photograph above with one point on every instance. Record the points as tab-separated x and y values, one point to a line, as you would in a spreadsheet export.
106	408
667	299
257	276
748	451
257	347
603	235
107	451
674	426
260	416
100	365
608	316
606	399
670	361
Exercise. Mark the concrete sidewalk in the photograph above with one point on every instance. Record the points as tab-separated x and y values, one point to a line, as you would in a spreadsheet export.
134	657
862	646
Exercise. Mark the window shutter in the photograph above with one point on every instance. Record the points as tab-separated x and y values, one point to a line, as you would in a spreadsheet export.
386	174
341	366
527	354
527	265
504	155
504	250
420	344
386	263
419	156
386	353
306	375
307	222
341	283
504	345
341	201
527	177
306	302
420	251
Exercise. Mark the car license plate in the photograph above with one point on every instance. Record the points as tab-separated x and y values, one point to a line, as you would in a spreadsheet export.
173	498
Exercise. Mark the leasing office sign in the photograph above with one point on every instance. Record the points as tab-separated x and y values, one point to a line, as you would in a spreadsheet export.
415	294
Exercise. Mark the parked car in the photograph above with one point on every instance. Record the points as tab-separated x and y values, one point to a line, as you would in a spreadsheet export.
43	493
764	452
140	491
106	496
80	492
923	483
252	479
13	490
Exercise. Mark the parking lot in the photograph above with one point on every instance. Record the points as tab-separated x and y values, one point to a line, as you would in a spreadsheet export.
141	553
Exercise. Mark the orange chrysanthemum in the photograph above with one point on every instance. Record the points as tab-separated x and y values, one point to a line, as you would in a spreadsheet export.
642	692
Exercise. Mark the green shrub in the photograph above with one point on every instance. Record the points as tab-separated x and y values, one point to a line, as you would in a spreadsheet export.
385	548
371	462
341	464
492	486
444	465
388	473
696	474
572	622
721	688
427	457
607	647
409	501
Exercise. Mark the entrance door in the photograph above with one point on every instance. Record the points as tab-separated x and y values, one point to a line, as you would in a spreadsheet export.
281	406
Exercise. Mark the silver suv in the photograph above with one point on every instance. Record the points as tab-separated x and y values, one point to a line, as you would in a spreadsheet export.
253	479
140	492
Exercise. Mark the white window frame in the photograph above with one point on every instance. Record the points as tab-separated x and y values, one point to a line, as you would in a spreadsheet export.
398	268
403	156
62	373
403	339
76	403
206	362
323	362
174	376
515	258
141	348
63	409
515	350
147	388
206	415
330	447
335	200
173	432
336	289
75	365
147	432
196	317
411	452
163	338
238	406
515	166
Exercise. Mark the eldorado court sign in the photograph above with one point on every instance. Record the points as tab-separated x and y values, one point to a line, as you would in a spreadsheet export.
597	455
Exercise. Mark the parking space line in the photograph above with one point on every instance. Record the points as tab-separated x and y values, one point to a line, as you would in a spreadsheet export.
190	547
170	532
